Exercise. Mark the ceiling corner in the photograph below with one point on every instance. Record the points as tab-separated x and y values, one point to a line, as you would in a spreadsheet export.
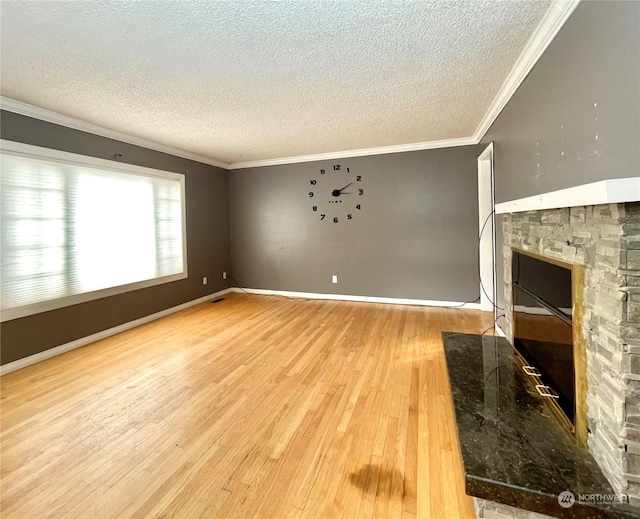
544	34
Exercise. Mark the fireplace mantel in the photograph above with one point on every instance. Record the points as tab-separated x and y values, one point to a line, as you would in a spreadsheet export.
612	191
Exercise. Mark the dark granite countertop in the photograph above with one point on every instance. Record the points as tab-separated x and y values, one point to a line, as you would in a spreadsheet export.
513	450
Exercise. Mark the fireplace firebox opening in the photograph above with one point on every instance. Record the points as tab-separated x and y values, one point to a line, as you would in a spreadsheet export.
547	335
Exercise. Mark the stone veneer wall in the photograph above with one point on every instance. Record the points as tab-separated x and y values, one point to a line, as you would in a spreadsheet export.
606	240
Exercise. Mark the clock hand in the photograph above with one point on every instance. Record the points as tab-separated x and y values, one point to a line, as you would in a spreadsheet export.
338	192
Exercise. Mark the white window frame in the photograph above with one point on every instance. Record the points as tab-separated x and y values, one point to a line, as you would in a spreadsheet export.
55	156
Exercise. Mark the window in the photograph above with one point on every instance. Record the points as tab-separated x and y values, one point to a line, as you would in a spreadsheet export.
76	228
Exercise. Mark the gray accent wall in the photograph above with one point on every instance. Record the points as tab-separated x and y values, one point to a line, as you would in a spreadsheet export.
207	242
415	237
576	117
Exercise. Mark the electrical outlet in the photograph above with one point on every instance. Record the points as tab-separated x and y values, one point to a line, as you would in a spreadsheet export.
334	278
224	275
204	280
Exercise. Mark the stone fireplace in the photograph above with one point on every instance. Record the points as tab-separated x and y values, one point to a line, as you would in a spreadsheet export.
605	241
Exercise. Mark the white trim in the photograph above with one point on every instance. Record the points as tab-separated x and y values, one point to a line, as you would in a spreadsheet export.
61	302
500	331
554	19
487	153
360	299
59	350
364	152
38	152
552	22
487	230
614	191
19	149
18	107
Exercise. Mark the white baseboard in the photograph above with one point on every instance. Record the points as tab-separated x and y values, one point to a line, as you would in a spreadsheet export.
361	299
63	348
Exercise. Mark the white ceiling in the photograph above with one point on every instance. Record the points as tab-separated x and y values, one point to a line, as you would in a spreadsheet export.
249	80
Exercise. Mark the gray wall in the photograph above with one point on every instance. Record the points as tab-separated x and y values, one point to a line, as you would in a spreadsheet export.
207	242
416	236
594	60
582	98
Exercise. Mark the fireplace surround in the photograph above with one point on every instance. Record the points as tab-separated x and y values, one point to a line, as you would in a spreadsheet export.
605	241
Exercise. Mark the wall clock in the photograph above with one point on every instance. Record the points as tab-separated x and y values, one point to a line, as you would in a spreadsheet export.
336	193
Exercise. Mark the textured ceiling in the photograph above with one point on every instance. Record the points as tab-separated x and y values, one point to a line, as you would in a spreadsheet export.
247	80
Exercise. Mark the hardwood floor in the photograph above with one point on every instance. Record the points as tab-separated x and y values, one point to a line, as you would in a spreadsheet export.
257	406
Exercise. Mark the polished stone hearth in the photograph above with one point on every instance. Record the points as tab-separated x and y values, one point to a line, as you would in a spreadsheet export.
514	451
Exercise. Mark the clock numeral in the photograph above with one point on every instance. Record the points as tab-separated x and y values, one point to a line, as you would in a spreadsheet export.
312	182
358	178
360	191
322	172
335	220
310	194
336	167
358	207
349	216
315	207
347	170
322	216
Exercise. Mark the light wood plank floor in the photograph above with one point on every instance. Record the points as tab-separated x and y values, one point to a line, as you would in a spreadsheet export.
257	406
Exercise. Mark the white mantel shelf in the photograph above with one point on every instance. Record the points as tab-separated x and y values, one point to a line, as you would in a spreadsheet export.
613	191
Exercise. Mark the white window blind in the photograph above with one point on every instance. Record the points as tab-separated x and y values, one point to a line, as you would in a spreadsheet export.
76	228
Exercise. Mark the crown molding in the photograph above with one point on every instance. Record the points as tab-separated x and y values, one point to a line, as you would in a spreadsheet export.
546	31
549	26
399	148
18	107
